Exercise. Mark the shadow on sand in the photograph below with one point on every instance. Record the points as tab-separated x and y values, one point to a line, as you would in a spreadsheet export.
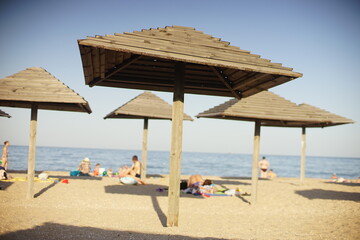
345	184
45	189
152	190
4	185
233	181
61	231
329	194
144	190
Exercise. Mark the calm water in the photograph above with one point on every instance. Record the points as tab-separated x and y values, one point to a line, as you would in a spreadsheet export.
213	164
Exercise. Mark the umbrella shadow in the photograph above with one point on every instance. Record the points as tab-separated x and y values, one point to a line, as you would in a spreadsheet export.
233	181
155	176
152	190
329	195
345	184
143	190
77	177
4	185
61	231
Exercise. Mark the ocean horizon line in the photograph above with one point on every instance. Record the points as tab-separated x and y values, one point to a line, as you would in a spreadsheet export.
202	152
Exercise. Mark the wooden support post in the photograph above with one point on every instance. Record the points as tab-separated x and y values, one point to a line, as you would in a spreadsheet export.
176	147
32	150
303	155
256	154
144	149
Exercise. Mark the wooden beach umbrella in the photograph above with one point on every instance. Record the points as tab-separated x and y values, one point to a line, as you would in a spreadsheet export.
325	119
35	88
145	106
268	109
4	114
179	60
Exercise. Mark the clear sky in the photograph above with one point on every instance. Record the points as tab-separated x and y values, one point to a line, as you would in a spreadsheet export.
320	39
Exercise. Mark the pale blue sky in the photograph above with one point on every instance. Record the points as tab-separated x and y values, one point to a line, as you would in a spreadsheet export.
317	38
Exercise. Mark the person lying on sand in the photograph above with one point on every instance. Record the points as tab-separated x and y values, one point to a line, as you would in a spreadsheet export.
343	180
197	183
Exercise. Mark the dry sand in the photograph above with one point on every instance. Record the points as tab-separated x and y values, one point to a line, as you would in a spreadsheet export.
101	208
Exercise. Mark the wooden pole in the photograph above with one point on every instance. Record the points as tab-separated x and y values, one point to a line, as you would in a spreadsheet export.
144	149
176	147
256	153
32	149
303	155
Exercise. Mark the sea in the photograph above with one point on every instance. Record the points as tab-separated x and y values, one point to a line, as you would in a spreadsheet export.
208	164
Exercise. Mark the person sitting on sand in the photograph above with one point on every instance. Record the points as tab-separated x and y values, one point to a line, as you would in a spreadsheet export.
110	172
264	165
84	167
128	172
96	170
135	169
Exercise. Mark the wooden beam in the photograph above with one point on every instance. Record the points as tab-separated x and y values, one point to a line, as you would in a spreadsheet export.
227	83
256	153
144	149
115	70
176	146
303	155
265	85
245	81
32	150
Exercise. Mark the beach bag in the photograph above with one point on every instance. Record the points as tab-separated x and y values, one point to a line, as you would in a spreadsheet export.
3	175
183	185
101	171
43	176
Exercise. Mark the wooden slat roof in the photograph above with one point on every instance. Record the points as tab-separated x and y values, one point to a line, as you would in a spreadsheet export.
146	59
36	85
145	105
327	118
4	114
274	110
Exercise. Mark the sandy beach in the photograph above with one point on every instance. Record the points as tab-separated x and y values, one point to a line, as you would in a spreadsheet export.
101	208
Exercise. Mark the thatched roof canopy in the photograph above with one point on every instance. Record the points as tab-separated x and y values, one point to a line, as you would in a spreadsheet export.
145	105
274	110
4	114
36	86
146	59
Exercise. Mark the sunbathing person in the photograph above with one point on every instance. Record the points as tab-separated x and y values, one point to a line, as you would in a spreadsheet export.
198	184
195	180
